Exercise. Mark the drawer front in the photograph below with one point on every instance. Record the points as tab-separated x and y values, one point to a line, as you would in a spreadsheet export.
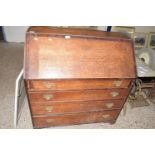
74	107
73	119
77	84
78	95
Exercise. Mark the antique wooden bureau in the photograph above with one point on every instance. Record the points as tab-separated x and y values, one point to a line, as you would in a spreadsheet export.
77	76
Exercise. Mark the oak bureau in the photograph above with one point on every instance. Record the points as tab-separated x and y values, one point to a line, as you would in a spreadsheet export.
77	76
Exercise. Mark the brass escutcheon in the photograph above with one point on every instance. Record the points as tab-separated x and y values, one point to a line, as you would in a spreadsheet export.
118	83
49	120
49	108
48	84
47	96
109	105
106	116
114	94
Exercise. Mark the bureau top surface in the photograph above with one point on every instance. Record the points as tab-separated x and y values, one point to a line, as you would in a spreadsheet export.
57	31
64	53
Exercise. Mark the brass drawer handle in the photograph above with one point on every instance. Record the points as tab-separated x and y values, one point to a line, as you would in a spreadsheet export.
49	108
118	83
49	120
106	116
47	96
114	94
48	84
109	105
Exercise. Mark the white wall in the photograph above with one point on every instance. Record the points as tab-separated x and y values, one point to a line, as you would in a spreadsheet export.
17	33
104	28
145	29
14	33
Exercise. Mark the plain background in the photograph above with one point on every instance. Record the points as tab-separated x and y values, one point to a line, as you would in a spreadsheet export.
79	13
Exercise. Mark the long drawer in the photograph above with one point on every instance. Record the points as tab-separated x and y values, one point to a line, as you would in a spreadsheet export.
78	95
45	108
73	119
36	85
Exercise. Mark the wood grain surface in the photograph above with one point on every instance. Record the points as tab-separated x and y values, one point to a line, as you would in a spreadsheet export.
80	118
55	57
53	108
78	95
77	84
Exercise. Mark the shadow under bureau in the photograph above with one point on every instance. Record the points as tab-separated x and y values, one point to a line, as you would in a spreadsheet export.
77	76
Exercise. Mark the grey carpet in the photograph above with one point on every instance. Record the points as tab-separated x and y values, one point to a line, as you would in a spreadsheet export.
11	62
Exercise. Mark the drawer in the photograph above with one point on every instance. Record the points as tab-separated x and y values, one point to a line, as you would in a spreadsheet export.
77	84
78	95
73	119
74	107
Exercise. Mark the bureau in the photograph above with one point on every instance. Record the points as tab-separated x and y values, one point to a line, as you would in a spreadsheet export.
77	76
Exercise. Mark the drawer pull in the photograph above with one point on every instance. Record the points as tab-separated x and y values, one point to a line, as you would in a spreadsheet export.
49	120
49	108
114	94
106	116
109	105
47	96
48	84
118	83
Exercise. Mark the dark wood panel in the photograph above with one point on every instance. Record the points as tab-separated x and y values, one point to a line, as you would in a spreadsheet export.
77	84
73	119
74	107
78	95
